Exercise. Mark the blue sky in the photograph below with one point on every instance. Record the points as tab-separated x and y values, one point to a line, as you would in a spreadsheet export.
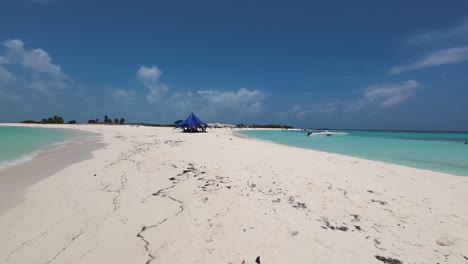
349	64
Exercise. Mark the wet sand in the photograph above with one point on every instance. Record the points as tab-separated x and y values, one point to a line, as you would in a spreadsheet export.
16	179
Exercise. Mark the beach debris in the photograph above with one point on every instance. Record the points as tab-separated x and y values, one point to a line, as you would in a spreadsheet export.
388	260
377	243
370	191
173	143
356	218
95	175
332	227
464	257
190	168
297	205
257	260
401	226
172	178
378	201
358	228
443	241
277	200
377	228
294	233
300	205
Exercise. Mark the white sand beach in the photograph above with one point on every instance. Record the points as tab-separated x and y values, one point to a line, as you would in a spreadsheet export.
155	195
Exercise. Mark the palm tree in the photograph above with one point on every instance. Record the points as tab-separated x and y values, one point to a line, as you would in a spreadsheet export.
116	120
122	120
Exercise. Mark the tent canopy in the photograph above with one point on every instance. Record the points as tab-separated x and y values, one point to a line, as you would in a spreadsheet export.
192	121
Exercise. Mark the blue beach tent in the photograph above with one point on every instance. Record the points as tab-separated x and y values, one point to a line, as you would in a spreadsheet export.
192	123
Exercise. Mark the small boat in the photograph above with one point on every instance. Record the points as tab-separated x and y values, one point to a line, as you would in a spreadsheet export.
326	133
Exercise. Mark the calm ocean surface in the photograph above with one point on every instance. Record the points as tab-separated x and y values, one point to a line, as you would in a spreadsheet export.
437	151
19	144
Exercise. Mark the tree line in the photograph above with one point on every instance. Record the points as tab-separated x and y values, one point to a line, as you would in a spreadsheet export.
107	120
59	120
49	120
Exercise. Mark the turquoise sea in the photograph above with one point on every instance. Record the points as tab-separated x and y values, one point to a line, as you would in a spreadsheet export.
437	151
19	144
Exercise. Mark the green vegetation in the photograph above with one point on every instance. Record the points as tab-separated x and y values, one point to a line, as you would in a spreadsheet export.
29	122
50	120
108	120
59	120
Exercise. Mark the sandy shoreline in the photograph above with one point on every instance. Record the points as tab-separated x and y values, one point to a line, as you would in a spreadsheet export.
15	179
154	195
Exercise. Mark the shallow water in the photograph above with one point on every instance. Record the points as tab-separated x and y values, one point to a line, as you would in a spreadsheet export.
437	151
19	144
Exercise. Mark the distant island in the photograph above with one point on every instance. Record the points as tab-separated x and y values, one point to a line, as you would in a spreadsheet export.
120	121
59	120
264	126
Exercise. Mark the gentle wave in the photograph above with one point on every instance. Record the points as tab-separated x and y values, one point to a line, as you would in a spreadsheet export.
8	163
22	144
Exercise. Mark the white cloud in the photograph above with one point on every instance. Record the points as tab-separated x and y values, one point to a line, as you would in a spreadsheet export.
5	76
382	96
385	95
149	76
455	34
36	60
123	96
230	99
440	57
308	110
43	73
216	104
